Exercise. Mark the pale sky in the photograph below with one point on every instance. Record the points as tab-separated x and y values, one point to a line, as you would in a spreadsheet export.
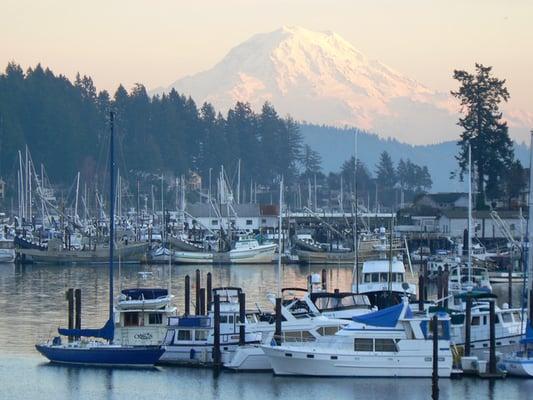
156	42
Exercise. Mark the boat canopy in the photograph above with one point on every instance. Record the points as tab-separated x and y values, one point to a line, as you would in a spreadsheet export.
106	332
476	294
383	266
145	293
387	317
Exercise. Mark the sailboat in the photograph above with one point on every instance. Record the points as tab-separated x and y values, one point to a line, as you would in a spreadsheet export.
520	363
94	352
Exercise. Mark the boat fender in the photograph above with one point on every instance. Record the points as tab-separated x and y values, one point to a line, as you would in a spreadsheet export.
192	354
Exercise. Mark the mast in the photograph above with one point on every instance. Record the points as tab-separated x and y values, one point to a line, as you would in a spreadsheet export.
530	236
162	211
111	209
355	274
279	233
469	215
77	193
239	182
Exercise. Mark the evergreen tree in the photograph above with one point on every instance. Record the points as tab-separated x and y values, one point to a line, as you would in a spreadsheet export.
480	95
311	161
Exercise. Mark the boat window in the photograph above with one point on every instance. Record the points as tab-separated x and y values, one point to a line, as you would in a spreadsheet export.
184	335
484	320
517	316
328	330
307	336
155	319
223	319
507	317
310	356
440	328
334	357
131	319
288	354
385	345
363	345
475	320
248	222
292	336
400	277
393	277
367	278
230	319
200	334
375	277
383	277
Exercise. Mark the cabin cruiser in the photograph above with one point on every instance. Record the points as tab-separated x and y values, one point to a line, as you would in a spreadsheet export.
392	342
383	281
458	281
189	339
142	316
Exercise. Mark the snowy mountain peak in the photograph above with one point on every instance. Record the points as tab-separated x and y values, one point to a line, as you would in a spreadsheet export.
320	77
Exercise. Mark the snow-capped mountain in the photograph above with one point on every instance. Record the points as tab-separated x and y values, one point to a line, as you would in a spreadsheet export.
321	78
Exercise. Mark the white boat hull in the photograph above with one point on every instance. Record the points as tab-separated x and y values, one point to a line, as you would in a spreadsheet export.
517	366
249	358
408	364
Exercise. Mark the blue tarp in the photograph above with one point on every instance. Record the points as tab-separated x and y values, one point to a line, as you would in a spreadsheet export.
106	332
387	317
528	337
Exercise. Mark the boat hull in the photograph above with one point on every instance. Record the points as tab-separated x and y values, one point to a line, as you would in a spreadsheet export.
102	355
517	366
249	358
314	363
312	257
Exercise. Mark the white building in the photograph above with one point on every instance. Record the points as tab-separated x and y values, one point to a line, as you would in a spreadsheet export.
453	222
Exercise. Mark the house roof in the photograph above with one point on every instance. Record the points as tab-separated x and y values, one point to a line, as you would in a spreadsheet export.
462	213
203	210
444	197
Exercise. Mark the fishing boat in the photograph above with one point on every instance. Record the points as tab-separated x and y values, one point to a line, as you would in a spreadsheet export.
325	257
245	251
384	282
105	352
392	342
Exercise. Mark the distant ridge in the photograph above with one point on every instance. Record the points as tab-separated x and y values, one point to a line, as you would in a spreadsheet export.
336	145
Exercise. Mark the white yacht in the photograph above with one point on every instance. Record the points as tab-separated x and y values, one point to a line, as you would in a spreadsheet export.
142	316
391	343
190	339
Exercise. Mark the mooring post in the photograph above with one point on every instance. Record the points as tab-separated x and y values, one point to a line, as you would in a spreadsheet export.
445	278
440	289
277	333
426	280
420	292
187	292
324	280
435	374
70	300
468	320
202	301
216	332
492	337
197	290
510	285
242	319
77	295
209	290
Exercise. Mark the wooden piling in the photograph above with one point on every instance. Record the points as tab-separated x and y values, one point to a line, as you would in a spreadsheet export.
435	373
420	292
216	332
510	285
492	338
324	280
277	332
242	319
197	290
209	290
468	320
70	300
187	292
77	296
202	301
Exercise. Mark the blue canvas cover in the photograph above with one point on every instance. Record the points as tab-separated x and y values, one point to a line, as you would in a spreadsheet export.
106	332
528	337
387	317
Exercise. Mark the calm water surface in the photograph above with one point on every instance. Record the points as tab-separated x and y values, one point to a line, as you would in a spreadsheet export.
32	306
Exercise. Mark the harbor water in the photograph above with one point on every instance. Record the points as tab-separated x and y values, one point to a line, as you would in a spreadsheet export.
32	306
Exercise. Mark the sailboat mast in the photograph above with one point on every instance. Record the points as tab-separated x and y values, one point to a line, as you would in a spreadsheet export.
530	236
355	274
279	233
111	209
469	215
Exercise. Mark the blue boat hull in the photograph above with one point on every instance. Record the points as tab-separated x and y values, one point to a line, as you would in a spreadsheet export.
102	356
